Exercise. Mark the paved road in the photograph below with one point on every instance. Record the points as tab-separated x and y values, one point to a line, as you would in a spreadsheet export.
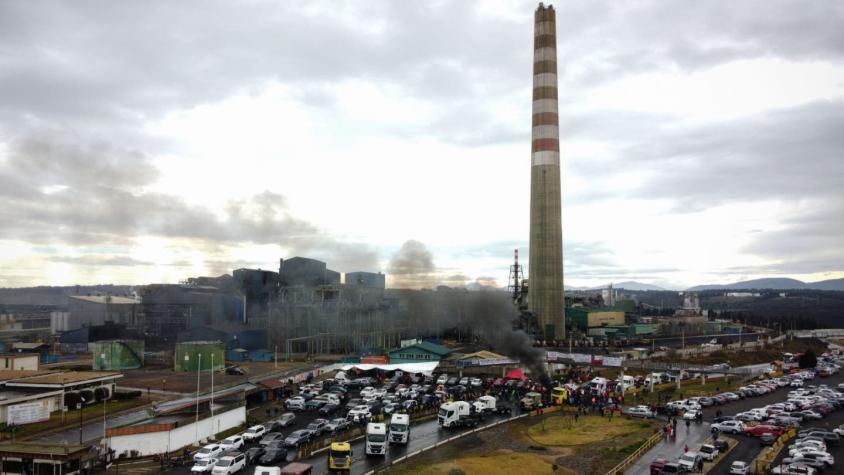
693	436
749	447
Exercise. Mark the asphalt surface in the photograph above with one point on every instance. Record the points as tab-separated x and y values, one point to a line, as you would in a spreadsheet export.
749	447
423	434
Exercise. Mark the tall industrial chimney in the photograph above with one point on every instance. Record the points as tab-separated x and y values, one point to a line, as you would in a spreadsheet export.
545	275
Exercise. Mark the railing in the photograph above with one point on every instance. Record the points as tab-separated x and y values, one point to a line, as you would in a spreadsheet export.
635	456
768	455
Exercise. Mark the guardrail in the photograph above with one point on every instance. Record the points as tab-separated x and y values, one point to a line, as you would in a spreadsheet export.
761	464
635	456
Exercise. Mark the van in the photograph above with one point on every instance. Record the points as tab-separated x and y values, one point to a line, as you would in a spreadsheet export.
598	384
229	464
259	470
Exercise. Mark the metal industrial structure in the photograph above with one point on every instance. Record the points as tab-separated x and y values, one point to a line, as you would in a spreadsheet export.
545	273
115	355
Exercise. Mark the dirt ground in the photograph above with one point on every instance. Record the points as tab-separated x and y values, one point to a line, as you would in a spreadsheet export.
510	448
165	379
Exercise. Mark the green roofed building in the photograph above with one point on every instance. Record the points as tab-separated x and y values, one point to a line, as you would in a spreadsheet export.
193	355
418	353
584	318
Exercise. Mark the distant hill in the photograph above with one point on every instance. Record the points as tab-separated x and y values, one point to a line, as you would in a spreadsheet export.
627	285
777	283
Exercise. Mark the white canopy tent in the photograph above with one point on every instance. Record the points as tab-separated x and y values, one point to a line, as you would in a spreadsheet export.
426	368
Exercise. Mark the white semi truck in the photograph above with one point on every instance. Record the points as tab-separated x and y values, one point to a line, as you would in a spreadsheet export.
376	439
458	414
399	429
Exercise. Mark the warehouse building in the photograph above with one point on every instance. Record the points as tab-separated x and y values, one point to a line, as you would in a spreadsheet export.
419	352
86	311
584	318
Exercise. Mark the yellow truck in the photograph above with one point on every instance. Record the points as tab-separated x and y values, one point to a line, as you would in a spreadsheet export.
340	457
559	395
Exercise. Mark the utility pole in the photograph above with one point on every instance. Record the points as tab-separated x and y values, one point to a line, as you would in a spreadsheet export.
79	406
276	356
196	424
213	430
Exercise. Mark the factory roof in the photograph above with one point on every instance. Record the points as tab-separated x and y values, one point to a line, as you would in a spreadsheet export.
426	346
43	450
14	374
28	346
482	355
65	378
103	299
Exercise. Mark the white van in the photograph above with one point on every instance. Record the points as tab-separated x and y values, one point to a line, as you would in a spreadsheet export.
259	470
626	382
598	384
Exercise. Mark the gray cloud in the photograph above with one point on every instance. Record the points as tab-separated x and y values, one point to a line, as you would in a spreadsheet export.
103	203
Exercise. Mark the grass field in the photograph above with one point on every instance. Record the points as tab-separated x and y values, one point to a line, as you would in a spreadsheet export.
552	444
562	431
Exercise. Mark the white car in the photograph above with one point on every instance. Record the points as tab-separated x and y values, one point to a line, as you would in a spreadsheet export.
234	442
203	465
229	464
210	451
839	430
639	411
254	433
476	382
733	427
739	468
358	412
708	452
367	392
794	469
442	379
691	414
807	449
295	403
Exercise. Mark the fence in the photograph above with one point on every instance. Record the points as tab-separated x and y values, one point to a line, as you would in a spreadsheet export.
768	455
632	458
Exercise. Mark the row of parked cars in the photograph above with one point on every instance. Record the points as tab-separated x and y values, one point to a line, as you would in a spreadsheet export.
803	404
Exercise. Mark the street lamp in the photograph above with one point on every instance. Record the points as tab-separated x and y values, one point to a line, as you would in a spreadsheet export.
79	407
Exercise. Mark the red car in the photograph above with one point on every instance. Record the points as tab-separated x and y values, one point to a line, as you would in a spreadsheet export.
657	465
762	429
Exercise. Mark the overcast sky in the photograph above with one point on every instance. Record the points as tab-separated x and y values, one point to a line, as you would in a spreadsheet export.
150	141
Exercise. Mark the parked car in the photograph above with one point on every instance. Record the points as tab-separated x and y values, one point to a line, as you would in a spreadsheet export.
673	468
794	469
234	442
296	403
733	427
253	454
203	465
271	438
691	461
639	411
210	451
337	425
317	427
286	419
329	409
657	465
254	433
739	467
273	456
229	464
708	452
297	438
762	429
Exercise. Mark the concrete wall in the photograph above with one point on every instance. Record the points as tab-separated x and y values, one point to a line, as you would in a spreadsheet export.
21	363
176	439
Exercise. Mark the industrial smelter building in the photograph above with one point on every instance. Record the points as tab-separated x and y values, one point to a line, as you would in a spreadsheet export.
545	273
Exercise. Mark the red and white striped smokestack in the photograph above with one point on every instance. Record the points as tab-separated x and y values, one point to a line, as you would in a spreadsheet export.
545	272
